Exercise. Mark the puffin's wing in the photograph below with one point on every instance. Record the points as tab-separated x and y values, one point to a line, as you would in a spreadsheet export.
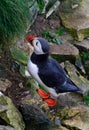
69	85
73	86
52	75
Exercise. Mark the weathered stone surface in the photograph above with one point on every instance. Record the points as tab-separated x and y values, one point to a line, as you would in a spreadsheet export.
84	45
64	49
77	118
2	108
64	101
53	6
6	128
33	10
64	52
79	64
76	19
86	66
30	105
72	118
78	79
84	53
60	128
19	55
25	46
35	118
10	114
4	84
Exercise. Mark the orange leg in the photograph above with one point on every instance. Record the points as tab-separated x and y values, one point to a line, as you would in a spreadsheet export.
51	102
43	94
46	96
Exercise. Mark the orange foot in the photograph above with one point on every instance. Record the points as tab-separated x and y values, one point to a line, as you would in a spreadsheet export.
51	102
43	94
46	96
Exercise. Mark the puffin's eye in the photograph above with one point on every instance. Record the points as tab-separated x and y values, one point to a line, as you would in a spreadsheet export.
36	43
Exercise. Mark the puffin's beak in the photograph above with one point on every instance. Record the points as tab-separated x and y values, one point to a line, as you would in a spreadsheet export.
30	39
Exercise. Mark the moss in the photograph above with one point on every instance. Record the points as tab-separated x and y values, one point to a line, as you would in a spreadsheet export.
62	58
19	55
83	33
11	114
79	35
71	20
66	5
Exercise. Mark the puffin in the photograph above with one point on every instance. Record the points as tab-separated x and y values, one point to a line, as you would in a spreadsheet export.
48	72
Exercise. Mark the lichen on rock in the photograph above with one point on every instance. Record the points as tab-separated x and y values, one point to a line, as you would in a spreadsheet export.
11	115
77	19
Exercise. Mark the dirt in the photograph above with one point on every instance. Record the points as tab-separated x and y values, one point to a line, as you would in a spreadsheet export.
41	24
9	72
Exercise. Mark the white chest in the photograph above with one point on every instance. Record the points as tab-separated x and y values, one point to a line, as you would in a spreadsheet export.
33	69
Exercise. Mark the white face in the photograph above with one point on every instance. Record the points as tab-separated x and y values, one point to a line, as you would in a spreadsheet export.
37	47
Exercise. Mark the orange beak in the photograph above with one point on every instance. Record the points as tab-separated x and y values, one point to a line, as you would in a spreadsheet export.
30	38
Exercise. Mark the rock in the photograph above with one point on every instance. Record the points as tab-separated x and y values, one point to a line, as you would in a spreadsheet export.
10	114
3	122
86	66
48	6
64	52
30	105
33	10
64	49
4	84
2	108
6	128
84	53
79	64
35	118
76	19
54	6
69	100
57	121
77	118
60	128
19	55
78	79
83	45
25	46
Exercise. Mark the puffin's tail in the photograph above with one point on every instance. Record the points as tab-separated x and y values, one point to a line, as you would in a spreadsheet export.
80	91
77	90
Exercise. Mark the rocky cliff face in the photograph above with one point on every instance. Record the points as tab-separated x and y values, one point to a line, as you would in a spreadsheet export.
75	17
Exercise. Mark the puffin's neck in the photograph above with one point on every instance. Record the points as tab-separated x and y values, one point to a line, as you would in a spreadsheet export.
39	58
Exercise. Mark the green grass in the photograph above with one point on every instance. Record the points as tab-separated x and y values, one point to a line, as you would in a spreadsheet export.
86	99
41	5
61	31
14	15
54	37
85	56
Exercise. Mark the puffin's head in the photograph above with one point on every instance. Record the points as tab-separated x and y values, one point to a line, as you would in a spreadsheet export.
41	46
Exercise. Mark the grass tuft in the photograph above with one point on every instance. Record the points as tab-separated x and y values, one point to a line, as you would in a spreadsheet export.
14	15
